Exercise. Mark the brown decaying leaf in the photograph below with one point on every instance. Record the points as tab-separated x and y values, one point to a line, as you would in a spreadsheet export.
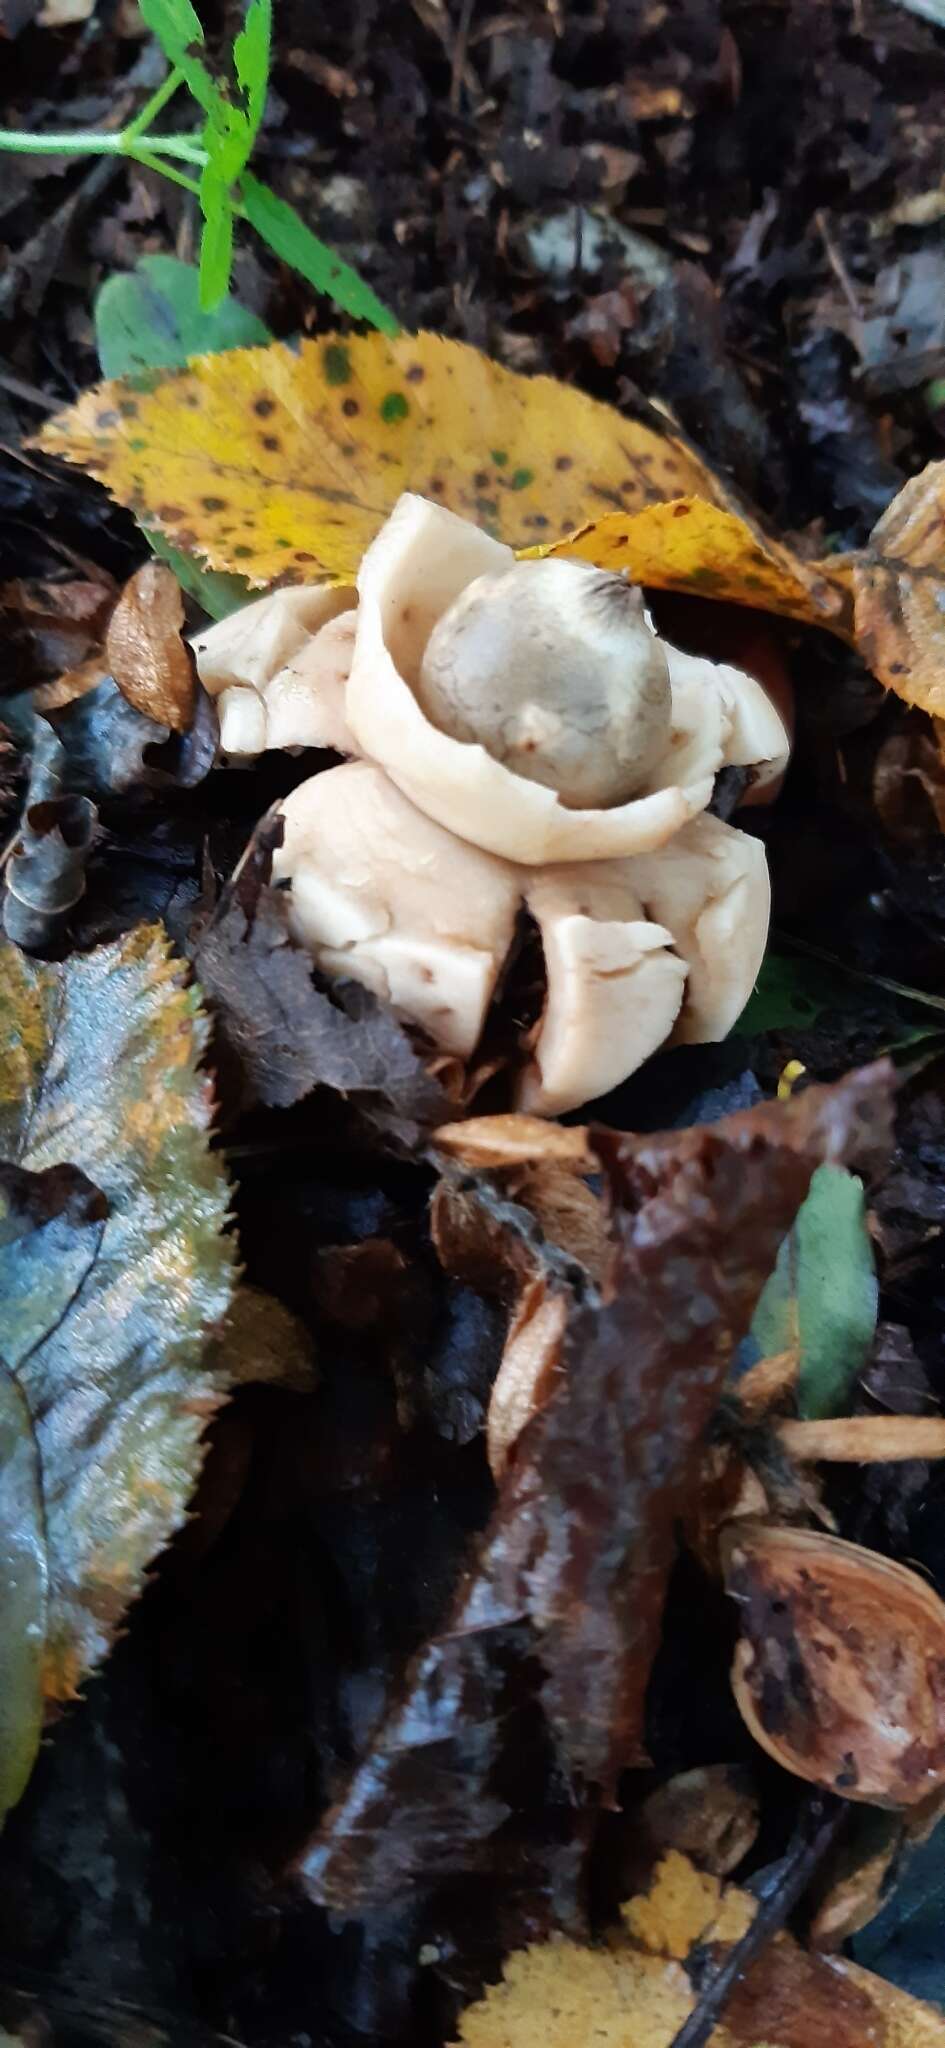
562	1609
151	663
635	1991
840	1670
898	583
278	1035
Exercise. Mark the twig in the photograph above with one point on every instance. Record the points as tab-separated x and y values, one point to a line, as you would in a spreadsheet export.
459	54
864	1439
837	264
783	1885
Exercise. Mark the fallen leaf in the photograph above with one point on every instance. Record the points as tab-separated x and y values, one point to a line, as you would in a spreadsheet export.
898	583
692	545
148	658
278	1034
100	1064
634	1991
561	1614
282	462
822	1300
263	1343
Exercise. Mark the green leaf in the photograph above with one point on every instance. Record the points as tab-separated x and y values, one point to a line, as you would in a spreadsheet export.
151	319
822	1298
288	236
105	1334
251	60
791	992
174	22
177	29
216	242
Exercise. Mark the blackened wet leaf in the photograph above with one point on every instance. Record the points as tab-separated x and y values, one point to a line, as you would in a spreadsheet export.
279	1035
110	747
562	1611
99	1064
45	874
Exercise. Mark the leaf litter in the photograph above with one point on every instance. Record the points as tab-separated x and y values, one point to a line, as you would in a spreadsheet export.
320	1561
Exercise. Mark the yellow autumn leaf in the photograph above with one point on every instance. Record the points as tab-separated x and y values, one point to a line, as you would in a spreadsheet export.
284	462
692	545
634	1991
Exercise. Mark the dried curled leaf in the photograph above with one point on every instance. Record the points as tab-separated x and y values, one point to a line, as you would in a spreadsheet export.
562	1611
839	1671
99	1064
151	663
283	462
635	1991
898	584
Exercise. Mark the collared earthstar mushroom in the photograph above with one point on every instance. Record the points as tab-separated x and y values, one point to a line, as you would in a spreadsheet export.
527	744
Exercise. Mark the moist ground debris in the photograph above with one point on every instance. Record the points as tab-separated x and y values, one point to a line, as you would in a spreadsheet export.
378	1719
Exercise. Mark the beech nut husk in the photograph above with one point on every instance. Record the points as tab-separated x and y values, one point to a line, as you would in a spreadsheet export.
840	1670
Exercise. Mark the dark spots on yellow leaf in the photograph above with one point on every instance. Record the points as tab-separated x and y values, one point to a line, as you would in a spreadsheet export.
897	668
187	537
536	519
300	555
272	443
481	479
564	462
350	408
349	449
520	479
213	504
106	419
606	496
129	408
264	408
707	579
336	363
753	582
394	407
437	486
416	373
171	513
192	402
681	511
137	445
281	542
488	508
242	553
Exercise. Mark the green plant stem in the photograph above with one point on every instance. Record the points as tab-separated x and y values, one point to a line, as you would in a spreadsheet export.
80	144
142	155
154	106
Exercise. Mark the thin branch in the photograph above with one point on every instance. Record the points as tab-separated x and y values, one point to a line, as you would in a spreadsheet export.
864	1439
783	1885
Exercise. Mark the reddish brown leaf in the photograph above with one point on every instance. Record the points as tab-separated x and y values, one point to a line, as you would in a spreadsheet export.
149	660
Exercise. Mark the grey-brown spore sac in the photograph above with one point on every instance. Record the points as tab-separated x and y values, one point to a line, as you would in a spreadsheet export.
551	667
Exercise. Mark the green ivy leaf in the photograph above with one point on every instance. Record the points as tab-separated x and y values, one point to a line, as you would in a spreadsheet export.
288	236
122	1271
821	1300
151	319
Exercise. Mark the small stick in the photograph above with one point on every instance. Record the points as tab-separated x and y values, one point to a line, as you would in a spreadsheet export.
864	1439
819	1823
837	264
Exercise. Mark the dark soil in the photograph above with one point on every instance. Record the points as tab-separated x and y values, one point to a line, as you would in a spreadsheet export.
783	291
